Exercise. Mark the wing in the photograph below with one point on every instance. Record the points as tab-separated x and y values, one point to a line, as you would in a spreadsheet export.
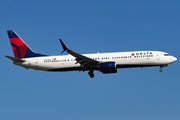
81	59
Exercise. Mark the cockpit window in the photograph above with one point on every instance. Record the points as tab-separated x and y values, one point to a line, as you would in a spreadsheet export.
166	54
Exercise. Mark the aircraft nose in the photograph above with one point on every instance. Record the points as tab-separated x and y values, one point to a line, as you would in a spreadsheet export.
173	59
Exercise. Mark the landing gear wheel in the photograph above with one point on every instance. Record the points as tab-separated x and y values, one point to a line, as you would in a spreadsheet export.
91	74
160	70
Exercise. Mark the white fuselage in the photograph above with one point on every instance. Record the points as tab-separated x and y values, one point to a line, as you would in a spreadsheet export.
122	60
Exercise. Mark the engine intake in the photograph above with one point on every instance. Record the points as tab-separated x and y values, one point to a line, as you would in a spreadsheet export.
108	67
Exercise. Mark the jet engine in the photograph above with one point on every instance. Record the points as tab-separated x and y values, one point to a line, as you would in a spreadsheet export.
108	67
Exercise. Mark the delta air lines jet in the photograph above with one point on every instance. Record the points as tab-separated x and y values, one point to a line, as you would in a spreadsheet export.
104	62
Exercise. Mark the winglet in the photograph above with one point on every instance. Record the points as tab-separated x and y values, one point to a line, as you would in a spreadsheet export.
65	48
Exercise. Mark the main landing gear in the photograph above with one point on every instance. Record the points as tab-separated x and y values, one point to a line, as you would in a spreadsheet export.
91	74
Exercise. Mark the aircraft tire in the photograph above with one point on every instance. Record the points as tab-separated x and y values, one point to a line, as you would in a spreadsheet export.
91	74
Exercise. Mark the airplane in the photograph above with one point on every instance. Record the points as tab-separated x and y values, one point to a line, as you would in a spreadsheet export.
104	62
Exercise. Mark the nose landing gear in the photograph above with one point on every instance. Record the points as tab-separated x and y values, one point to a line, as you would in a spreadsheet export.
160	70
91	74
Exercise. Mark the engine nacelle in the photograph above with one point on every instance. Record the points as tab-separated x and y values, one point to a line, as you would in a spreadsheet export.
108	67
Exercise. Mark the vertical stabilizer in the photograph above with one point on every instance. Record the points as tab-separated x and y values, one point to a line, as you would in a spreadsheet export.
19	47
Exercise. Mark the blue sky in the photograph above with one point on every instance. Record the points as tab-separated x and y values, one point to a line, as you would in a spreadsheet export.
87	27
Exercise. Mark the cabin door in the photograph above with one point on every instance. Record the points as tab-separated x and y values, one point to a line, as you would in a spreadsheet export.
157	56
36	63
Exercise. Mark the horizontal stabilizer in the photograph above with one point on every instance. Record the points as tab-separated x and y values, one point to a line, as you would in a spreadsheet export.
14	59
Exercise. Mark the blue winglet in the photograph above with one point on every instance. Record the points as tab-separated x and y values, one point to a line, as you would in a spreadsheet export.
65	48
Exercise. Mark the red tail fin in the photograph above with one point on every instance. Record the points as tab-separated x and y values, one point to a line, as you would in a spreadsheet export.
19	47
